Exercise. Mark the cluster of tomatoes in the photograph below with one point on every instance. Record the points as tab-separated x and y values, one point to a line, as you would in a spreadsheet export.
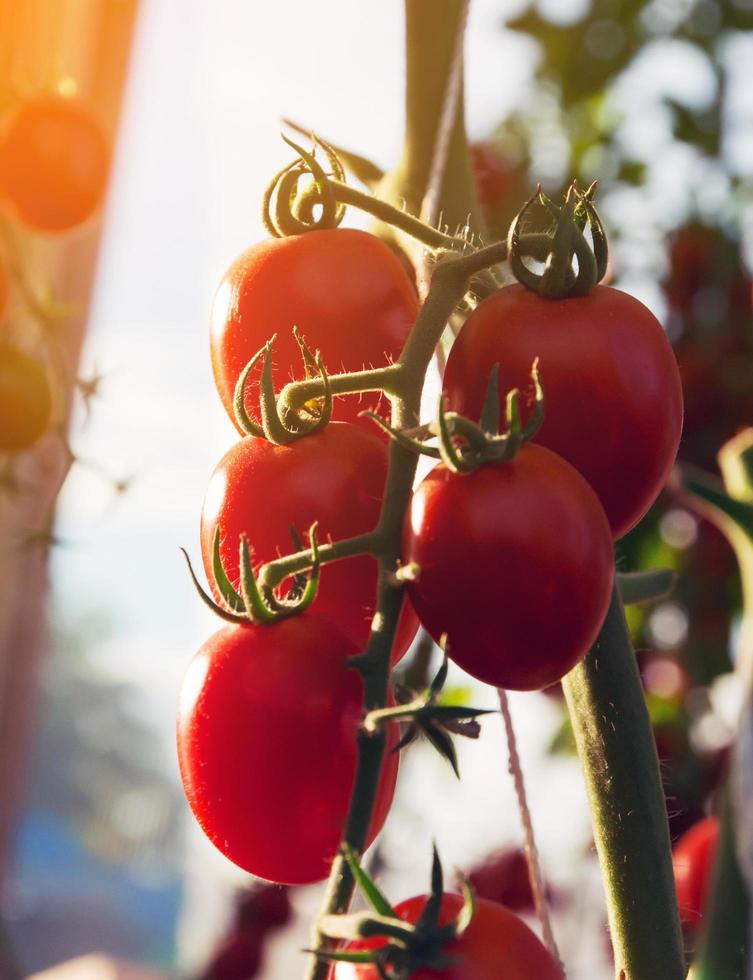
510	556
53	169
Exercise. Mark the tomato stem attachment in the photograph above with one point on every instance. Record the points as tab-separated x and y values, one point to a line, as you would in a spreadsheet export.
428	717
553	235
449	282
410	947
256	602
280	423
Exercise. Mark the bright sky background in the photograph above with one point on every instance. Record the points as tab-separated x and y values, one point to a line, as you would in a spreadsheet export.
209	84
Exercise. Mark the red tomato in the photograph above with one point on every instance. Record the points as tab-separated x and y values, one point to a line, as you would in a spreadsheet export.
336	477
613	395
503	877
53	163
497	945
267	728
515	565
344	290
494	178
25	400
693	863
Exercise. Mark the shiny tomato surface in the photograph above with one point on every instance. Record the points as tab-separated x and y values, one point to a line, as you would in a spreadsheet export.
611	383
345	291
267	726
514	565
497	945
335	477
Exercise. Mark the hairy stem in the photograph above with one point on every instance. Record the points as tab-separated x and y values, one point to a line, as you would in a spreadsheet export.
617	751
447	288
274	572
395	217
296	393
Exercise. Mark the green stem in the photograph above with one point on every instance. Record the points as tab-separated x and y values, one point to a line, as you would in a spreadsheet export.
430	41
394	216
616	747
448	286
274	572
297	393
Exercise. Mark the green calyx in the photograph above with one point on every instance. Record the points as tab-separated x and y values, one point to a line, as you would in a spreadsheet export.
409	947
463	445
288	208
426	716
279	423
254	603
553	236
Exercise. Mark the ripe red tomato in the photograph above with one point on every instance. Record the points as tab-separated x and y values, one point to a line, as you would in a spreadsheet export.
336	477
25	400
613	394
53	163
503	877
344	290
267	728
495	179
497	945
515	565
693	863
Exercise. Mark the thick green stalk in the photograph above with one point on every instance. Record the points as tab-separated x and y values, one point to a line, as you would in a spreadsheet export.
618	755
430	39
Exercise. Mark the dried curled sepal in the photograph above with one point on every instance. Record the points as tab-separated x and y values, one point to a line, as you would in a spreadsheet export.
278	423
289	208
424	715
252	603
553	236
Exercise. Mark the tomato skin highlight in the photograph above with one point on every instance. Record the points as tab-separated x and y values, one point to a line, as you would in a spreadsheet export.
54	162
345	291
497	945
693	864
335	477
515	565
611	383
266	733
25	400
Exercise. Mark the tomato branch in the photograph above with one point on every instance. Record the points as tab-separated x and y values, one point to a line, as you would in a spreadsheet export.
396	217
448	286
295	394
274	572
